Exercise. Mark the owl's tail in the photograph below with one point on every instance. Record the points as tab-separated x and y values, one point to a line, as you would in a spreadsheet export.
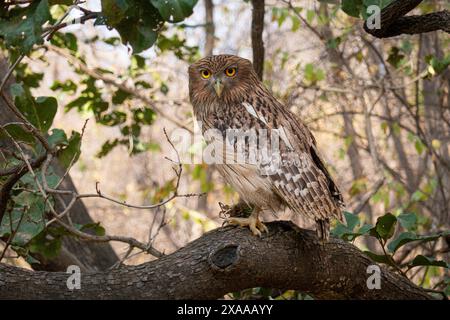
323	229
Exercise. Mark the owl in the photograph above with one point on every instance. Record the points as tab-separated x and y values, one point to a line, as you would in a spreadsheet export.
227	97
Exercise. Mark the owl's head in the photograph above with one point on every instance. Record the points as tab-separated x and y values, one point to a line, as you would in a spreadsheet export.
218	78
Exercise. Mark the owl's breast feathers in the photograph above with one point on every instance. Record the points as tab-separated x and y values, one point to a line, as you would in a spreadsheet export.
295	172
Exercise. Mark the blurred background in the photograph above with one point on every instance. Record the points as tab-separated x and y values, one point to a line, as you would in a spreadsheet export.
379	109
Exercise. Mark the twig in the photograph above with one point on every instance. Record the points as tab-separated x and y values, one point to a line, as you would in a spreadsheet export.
112	81
13	232
362	203
72	229
9	72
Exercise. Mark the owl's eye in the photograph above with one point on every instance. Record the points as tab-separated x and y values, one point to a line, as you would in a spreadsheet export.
205	74
230	72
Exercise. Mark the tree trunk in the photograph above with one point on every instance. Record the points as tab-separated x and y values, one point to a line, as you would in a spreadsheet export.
225	260
433	99
257	37
336	77
210	28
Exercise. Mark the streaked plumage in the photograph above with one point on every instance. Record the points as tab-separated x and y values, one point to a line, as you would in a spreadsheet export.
301	181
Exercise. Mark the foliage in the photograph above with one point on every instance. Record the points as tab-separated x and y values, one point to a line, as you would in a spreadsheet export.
138	22
23	29
391	240
359	8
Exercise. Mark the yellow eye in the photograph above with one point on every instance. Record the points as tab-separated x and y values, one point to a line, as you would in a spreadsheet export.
230	72
205	74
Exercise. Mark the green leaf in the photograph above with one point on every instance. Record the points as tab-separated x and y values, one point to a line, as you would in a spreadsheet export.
421	260
115	10
72	151
313	74
385	226
418	196
66	2
137	22
17	132
94	227
67	86
408	220
333	43
420	146
40	112
380	258
351	219
25	75
358	8
30	260
352	7
365	229
65	40
23	26
57	138
401	240
310	15
107	147
437	66
48	246
395	57
28	220
406	237
346	232
174	10
120	96
144	115
29	182
114	118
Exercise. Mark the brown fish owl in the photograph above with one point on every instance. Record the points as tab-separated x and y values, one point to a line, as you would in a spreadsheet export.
227	96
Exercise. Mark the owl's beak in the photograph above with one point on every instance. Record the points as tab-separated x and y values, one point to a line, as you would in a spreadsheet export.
218	86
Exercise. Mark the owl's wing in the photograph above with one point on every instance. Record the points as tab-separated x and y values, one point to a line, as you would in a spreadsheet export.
305	187
303	179
297	173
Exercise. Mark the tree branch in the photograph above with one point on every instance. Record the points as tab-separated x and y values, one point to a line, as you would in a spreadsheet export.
225	260
393	22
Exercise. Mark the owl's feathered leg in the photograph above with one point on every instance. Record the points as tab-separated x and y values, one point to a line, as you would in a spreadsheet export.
323	230
253	222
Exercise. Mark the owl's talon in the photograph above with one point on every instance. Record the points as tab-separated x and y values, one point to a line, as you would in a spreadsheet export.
262	227
252	222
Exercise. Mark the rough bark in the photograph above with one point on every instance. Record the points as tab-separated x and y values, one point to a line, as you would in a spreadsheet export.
210	28
89	256
225	260
257	36
393	22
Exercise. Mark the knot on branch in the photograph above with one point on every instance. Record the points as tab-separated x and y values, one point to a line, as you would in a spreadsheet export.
225	258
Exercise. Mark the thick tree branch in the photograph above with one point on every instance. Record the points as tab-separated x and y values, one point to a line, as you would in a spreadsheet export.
225	260
393	22
257	39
